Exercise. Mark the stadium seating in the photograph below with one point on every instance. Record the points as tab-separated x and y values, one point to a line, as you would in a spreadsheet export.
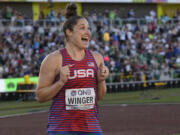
135	48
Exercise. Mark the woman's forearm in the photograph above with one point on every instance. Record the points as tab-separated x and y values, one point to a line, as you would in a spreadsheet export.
47	93
101	89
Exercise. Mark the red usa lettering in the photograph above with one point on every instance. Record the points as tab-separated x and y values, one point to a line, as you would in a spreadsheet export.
82	73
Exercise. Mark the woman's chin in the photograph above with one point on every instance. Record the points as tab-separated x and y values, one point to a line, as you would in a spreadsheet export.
85	46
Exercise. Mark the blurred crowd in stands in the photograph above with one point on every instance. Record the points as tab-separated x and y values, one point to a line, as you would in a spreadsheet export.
131	48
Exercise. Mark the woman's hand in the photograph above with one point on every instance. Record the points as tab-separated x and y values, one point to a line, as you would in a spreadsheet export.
64	74
103	72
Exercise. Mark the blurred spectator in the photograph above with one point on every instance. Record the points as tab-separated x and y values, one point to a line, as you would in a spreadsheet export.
131	14
8	13
1	70
129	49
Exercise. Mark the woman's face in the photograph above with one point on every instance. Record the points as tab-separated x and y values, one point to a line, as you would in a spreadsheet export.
80	36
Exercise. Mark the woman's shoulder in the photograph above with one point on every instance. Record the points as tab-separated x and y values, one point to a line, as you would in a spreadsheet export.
98	57
53	60
54	56
96	54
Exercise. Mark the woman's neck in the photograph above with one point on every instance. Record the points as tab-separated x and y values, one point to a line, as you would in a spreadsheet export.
75	53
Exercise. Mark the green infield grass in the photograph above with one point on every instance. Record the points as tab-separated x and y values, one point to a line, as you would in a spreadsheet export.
143	97
20	107
135	97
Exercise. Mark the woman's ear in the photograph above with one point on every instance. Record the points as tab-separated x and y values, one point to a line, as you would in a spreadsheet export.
68	33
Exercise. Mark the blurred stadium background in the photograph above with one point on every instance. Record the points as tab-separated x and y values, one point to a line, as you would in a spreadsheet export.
140	42
139	39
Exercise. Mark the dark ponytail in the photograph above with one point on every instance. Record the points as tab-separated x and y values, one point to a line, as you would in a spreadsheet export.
71	17
71	10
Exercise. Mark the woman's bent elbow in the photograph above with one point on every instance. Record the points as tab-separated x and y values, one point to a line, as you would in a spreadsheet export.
38	98
100	97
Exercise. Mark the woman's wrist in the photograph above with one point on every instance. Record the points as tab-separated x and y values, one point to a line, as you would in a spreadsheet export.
60	83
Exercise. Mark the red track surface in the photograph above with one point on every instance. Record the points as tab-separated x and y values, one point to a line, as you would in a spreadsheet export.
115	120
